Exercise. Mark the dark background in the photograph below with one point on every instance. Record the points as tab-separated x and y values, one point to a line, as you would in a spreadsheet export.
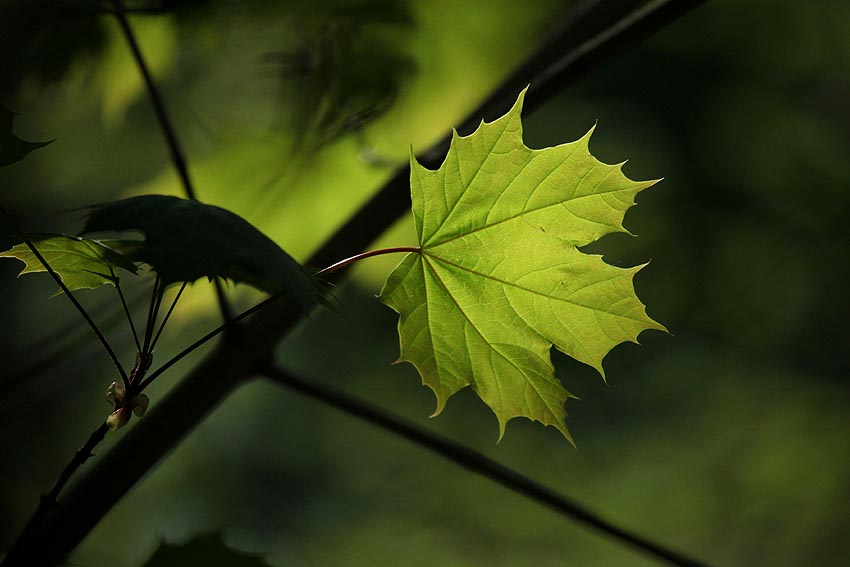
726	438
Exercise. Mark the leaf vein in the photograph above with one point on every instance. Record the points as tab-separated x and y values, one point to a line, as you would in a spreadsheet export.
528	212
523	288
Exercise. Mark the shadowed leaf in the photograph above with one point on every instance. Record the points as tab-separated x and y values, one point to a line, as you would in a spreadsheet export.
187	240
207	550
12	148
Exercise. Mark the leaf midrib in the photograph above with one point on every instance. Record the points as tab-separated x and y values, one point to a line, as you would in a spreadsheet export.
529	211
529	290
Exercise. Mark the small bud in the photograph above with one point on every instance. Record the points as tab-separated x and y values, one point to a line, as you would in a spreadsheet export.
115	394
118	419
140	404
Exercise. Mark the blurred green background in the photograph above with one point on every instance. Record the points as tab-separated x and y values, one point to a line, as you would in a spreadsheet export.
727	438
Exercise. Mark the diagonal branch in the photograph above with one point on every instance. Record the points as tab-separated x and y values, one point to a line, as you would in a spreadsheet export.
177	157
562	61
474	461
225	367
586	19
48	501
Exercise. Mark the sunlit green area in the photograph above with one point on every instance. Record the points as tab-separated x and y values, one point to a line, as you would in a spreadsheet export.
726	438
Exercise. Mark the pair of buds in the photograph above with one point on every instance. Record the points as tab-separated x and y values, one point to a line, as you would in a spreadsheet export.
116	394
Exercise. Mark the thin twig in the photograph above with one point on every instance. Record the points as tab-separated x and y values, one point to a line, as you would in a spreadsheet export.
80	457
167	315
474	461
206	338
62	342
223	303
101	337
129	317
49	500
168	132
342	264
153	311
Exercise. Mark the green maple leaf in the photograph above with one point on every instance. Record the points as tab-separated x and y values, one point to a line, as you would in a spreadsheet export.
187	240
499	279
82	263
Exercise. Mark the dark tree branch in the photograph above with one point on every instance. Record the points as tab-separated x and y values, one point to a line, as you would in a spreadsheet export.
215	377
562	61
476	462
48	501
585	18
164	425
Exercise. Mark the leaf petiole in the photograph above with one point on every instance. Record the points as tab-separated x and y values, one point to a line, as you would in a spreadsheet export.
127	313
167	315
153	311
357	257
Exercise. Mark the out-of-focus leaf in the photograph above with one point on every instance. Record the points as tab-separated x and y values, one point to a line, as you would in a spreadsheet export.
208	550
12	148
41	39
346	72
82	263
187	240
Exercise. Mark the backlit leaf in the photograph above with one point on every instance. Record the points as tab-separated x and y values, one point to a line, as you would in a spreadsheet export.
499	278
80	262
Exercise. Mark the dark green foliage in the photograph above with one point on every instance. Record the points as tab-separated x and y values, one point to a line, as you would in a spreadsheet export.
187	240
333	68
208	550
12	148
39	40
